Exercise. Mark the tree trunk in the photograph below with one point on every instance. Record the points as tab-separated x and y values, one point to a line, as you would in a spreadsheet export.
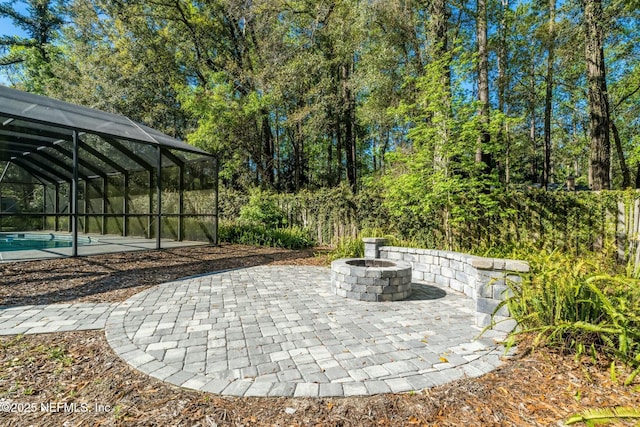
268	150
438	24
297	140
483	85
597	97
507	156
626	174
329	180
297	164
383	149
374	147
532	124
503	130
348	119
339	150
276	154
548	99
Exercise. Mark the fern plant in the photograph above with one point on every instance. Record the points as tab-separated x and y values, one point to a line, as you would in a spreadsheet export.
567	303
591	417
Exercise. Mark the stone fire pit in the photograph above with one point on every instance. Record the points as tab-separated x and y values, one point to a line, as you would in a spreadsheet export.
367	279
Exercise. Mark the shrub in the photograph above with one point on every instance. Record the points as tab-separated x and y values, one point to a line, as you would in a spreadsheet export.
262	209
260	235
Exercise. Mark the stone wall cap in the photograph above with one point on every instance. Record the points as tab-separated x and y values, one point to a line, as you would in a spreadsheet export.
499	264
374	240
516	265
481	263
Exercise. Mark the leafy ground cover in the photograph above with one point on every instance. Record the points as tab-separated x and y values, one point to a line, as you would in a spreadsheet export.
576	303
534	388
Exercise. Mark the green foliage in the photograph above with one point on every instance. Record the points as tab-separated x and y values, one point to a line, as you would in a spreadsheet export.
347	247
218	110
328	214
592	417
60	355
260	235
32	55
576	304
437	179
262	209
491	224
281	92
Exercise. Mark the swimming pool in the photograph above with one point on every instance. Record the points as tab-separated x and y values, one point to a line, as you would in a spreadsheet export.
10	242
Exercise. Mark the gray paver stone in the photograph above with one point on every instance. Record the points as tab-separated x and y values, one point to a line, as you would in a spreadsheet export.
306	390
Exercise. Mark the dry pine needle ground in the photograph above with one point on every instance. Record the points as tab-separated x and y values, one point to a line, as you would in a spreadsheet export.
78	368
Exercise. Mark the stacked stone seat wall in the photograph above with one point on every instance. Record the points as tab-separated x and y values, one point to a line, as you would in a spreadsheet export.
482	279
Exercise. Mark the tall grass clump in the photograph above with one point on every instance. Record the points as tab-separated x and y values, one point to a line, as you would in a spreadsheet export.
569	302
347	247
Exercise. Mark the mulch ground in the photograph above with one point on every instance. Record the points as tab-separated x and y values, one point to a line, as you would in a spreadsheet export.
74	378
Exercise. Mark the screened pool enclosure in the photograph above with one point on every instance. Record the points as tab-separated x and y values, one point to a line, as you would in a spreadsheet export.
68	168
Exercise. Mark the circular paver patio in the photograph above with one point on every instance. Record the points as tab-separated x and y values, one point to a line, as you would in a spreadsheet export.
280	331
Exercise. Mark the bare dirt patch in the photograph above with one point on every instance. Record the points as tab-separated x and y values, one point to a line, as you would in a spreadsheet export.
74	378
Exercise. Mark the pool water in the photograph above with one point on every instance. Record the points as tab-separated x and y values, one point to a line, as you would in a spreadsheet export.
24	242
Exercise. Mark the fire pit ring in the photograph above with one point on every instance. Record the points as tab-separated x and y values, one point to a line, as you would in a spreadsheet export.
367	279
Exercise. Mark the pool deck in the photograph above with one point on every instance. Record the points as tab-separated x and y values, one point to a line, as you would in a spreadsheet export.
280	331
100	244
